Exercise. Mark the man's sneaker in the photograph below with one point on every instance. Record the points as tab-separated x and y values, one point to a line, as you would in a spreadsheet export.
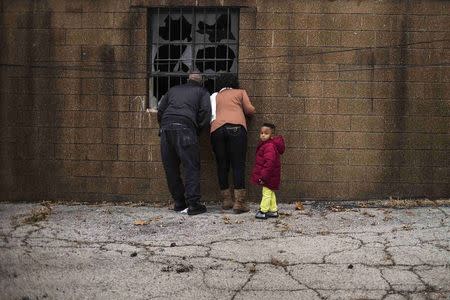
183	212
196	210
261	215
272	214
179	208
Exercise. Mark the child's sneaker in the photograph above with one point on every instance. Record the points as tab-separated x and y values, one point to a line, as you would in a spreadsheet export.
261	215
272	214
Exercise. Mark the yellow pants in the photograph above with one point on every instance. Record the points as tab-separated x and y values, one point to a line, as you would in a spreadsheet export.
268	201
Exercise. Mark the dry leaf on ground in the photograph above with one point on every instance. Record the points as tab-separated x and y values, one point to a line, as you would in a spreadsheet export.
140	222
277	262
39	214
299	205
146	222
226	220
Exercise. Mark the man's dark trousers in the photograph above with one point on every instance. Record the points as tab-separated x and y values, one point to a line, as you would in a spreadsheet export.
179	144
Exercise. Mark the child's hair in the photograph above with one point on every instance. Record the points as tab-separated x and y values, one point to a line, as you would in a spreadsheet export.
270	125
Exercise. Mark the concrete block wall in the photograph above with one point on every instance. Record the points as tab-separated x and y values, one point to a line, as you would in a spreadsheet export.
354	86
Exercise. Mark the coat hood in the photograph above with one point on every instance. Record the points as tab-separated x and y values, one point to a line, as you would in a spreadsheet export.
278	141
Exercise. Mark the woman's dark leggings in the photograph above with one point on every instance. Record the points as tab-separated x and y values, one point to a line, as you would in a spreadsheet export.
229	144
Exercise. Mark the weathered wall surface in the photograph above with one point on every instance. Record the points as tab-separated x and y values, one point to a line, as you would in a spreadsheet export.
354	86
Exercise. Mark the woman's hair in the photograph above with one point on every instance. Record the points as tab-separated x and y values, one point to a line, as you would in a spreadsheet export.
227	80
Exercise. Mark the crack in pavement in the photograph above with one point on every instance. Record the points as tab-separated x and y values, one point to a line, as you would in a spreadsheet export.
212	254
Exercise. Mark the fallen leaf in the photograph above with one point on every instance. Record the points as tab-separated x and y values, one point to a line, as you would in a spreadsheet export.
365	213
146	222
299	205
407	227
226	220
337	208
239	221
39	214
277	262
141	222
184	268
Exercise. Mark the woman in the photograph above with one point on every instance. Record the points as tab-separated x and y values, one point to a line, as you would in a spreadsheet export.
229	138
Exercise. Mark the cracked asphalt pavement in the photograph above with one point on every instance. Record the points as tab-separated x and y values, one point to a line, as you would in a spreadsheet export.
98	252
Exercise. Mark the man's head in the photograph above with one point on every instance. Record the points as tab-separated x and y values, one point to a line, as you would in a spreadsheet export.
195	76
267	131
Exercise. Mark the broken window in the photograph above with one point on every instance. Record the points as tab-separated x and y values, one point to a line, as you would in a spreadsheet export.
183	39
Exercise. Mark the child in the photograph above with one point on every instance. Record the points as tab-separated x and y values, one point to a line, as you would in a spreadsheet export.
267	170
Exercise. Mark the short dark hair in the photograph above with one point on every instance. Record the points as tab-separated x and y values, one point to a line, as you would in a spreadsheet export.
270	125
225	80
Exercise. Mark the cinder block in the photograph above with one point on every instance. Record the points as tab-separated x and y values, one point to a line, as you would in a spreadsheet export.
118	169
275	6
118	136
339	89
136	86
272	21
281	105
355	106
256	38
247	20
87	135
367	123
66	20
149	169
99	119
291	38
101	185
359	140
315	173
113	103
135	153
136	120
321	106
316	139
132	19
98	20
134	186
271	88
312	89
97	151
358	39
147	136
85	168
324	38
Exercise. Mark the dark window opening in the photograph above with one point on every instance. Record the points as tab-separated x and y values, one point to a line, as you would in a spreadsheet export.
183	39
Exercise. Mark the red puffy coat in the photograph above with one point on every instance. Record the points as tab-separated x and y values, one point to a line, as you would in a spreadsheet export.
267	163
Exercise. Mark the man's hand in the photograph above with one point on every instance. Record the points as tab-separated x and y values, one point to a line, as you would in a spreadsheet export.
260	182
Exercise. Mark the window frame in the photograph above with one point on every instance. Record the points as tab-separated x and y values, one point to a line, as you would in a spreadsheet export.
152	102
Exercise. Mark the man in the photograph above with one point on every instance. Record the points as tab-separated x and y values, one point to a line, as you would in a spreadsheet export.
182	113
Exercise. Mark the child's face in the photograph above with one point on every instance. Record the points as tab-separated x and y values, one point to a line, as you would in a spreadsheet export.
265	133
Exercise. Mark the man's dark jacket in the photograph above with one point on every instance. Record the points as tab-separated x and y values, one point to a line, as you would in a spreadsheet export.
187	104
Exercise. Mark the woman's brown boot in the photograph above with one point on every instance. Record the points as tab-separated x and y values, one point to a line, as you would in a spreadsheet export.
227	199
240	206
